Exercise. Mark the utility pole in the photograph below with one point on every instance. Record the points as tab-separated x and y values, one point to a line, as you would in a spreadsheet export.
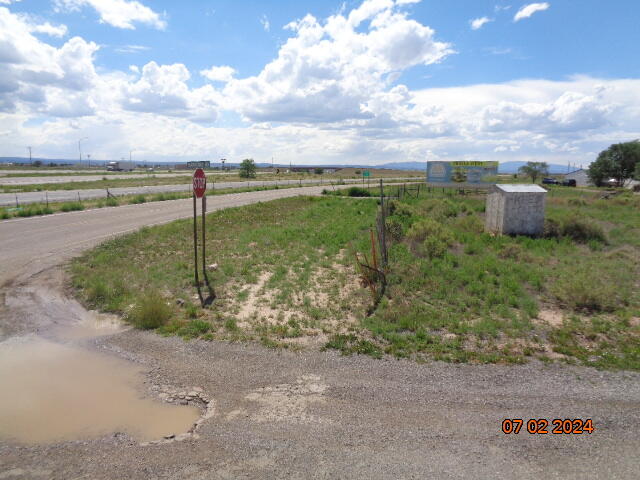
80	148
89	159
30	161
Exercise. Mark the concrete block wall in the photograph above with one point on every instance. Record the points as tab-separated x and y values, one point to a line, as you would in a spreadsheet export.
515	210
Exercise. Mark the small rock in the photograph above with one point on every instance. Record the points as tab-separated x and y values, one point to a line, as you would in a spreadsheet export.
213	267
184	402
169	437
180	302
193	393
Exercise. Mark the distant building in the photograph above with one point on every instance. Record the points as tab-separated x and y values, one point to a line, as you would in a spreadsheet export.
312	169
580	176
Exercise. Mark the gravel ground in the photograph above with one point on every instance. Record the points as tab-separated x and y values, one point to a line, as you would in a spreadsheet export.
280	414
320	415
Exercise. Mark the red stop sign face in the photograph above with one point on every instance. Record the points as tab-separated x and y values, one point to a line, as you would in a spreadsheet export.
199	183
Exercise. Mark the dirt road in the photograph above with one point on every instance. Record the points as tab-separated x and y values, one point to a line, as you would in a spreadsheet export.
313	414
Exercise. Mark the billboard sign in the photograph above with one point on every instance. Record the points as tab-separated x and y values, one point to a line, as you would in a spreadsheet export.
462	172
201	164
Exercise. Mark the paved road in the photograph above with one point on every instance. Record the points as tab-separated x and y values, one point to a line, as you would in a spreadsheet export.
314	414
17	181
7	171
30	245
10	199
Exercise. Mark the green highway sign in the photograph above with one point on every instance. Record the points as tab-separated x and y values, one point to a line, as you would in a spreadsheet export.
366	173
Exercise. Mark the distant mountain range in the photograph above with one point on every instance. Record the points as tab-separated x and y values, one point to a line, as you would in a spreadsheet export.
506	167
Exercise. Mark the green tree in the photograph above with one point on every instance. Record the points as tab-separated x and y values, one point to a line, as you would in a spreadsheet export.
619	161
534	170
318	171
636	173
248	168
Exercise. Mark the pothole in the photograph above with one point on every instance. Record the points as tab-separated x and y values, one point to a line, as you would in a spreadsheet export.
194	396
53	393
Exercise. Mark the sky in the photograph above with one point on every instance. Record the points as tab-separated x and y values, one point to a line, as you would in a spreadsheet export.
319	82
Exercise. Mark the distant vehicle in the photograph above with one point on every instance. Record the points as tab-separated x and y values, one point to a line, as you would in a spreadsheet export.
551	181
120	166
569	182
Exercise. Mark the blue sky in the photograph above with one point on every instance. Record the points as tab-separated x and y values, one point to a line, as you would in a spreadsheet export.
371	81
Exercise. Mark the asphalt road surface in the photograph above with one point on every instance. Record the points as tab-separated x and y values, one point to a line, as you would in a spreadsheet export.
10	199
310	414
17	181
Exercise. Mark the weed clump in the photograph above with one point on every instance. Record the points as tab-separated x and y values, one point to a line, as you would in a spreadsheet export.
350	344
429	238
137	200
592	289
71	206
358	192
576	202
577	229
583	231
150	311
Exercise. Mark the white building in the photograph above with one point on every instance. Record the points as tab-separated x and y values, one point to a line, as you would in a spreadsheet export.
580	176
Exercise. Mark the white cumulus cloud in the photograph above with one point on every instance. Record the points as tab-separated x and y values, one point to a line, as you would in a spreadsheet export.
327	71
222	73
163	89
48	29
477	23
530	9
118	13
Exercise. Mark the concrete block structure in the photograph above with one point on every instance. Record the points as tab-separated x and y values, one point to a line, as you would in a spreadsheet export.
515	210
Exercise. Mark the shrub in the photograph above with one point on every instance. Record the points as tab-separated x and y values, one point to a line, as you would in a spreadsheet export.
150	311
636	187
358	192
137	200
551	229
111	202
194	328
583	231
469	223
430	238
395	228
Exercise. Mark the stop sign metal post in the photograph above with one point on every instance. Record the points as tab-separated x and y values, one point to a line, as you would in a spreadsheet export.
199	189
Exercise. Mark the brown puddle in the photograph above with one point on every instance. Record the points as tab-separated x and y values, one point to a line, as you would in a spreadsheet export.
52	392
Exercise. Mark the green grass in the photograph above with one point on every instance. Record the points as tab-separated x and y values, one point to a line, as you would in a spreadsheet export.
285	275
71	206
284	252
150	311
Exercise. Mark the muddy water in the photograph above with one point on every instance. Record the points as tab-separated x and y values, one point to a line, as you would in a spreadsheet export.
55	392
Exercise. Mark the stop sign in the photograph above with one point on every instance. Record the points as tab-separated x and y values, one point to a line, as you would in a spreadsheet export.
199	183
